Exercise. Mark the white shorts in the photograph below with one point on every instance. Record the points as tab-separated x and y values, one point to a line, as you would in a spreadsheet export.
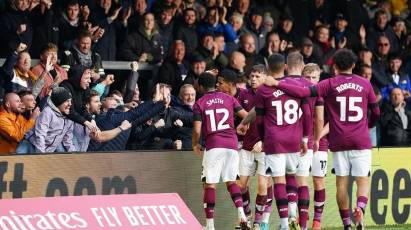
279	164
304	163
358	162
251	163
319	167
220	162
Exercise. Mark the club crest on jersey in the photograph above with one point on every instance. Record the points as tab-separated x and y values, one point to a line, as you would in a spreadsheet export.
278	93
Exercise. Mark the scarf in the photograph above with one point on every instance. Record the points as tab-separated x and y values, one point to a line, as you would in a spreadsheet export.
85	59
30	75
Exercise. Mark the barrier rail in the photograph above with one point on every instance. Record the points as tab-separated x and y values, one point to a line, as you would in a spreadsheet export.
107	65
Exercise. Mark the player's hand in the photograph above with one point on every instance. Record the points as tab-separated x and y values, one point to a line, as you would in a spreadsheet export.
35	113
21	47
49	65
178	144
242	129
109	79
270	81
134	66
125	125
198	151
178	123
160	123
258	147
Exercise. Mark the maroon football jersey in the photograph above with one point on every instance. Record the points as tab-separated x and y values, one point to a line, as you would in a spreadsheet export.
280	115
216	111
346	98
247	101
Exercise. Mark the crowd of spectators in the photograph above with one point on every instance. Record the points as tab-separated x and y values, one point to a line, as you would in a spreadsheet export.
69	102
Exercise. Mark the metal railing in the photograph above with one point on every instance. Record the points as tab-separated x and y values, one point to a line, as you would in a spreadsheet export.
107	65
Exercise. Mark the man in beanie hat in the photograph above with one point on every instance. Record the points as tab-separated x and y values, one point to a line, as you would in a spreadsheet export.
52	127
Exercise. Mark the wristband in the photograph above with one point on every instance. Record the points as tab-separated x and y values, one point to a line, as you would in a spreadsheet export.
121	129
305	140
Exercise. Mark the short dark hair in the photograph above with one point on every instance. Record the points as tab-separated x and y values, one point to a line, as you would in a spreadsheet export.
92	94
260	68
189	9
83	34
207	80
228	76
344	59
23	93
276	62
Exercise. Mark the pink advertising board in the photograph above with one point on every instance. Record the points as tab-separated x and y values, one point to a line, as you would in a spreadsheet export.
131	211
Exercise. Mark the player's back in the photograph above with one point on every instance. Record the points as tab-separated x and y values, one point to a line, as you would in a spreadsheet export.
282	129
217	114
346	100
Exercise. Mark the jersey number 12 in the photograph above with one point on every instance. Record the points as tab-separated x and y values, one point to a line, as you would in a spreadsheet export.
220	125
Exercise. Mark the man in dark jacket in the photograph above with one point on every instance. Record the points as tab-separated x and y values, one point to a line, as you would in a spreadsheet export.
16	25
137	116
186	31
174	70
396	121
78	84
81	54
380	28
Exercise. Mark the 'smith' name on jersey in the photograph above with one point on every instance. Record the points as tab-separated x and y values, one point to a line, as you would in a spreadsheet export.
346	99
279	114
216	111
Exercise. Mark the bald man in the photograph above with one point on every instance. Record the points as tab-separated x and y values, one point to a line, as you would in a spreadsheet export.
237	63
13	125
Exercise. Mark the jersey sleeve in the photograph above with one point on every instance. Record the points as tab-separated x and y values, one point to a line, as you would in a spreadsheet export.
259	110
294	90
321	89
307	117
319	101
236	105
374	107
197	112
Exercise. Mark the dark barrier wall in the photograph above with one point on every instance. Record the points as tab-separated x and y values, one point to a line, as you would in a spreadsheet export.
159	172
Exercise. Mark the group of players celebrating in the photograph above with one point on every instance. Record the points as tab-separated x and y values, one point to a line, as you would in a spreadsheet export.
288	123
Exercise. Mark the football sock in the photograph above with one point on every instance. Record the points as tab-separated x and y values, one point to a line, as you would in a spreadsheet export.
319	201
303	205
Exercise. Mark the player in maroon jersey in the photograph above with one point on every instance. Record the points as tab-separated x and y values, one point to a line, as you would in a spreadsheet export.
252	158
312	72
278	122
214	120
347	97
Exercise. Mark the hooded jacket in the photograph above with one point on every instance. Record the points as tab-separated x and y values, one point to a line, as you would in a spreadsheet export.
72	84
12	129
52	129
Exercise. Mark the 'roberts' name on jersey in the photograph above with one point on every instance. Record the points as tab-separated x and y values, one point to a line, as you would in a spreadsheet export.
215	101
346	86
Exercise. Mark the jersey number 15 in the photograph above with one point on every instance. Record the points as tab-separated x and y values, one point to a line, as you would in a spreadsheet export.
351	108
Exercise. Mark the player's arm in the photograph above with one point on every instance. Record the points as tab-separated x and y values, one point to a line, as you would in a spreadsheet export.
318	125
375	109
196	137
242	113
298	91
307	124
197	122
